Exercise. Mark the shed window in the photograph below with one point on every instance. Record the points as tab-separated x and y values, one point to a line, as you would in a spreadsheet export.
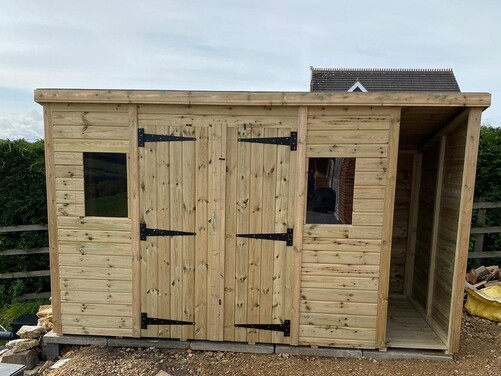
331	183
105	180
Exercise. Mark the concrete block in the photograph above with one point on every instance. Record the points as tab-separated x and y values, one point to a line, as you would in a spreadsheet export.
232	347
394	354
28	358
140	342
319	351
50	351
75	340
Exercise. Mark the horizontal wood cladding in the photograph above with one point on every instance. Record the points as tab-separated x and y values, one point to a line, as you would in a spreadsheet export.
94	253
341	263
342	232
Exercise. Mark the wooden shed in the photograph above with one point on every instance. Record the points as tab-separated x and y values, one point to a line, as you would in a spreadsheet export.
261	217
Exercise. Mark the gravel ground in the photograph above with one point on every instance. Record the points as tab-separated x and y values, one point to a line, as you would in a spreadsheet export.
480	354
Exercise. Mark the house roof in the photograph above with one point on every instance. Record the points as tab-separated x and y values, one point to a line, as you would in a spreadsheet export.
329	79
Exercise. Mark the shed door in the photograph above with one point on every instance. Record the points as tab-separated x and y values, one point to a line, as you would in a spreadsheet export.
182	191
259	200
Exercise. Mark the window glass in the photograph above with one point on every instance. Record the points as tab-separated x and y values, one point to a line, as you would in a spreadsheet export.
330	190
105	184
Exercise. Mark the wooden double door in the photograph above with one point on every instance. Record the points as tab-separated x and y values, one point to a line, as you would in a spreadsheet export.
216	230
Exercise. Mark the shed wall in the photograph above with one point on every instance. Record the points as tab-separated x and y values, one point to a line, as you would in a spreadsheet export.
94	254
401	222
341	263
448	226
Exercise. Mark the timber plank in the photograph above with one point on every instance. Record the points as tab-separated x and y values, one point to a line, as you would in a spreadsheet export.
335	150
230	232
109	249
93	132
324	319
93	297
91	118
337	332
335	295
95	223
332	269
122	274
268	226
69	171
80	145
188	222
94	236
340	282
346	308
114	332
335	257
320	137
115	322
95	260
342	231
68	159
284	217
201	241
255	227
242	244
123	310
73	284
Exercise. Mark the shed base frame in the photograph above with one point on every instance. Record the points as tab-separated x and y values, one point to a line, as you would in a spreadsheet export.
53	343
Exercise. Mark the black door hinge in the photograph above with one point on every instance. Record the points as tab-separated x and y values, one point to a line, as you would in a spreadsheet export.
145	321
290	141
147	137
282	237
144	232
285	327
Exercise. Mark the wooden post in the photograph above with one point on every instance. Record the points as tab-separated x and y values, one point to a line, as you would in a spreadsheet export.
412	229
464	223
299	214
50	167
389	203
436	222
134	215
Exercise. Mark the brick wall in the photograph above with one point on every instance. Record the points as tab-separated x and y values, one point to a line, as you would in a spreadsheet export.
346	185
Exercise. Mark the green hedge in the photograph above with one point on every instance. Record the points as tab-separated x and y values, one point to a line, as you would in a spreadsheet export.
22	201
488	182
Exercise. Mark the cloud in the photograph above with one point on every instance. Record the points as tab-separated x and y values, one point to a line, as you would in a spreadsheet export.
28	126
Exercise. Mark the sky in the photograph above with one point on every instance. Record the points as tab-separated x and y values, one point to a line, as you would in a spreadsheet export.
234	45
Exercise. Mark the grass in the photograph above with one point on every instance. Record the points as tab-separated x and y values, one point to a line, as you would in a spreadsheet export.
11	311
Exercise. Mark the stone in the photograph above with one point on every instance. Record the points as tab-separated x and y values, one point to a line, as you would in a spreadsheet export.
18	345
31	332
28	358
44	311
162	373
60	363
46	322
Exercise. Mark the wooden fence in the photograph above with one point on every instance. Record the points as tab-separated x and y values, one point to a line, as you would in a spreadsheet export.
16	252
479	229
